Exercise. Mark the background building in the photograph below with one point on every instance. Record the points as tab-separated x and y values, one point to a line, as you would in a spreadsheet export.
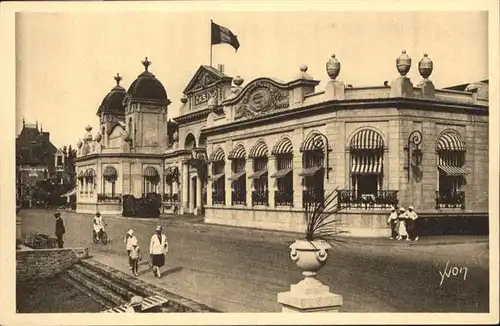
254	155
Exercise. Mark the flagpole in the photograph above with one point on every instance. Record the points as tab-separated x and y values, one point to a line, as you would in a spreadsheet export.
211	45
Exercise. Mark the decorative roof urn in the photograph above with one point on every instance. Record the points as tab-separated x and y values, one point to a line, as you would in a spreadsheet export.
425	66
403	63
184	99
175	136
333	67
79	143
98	137
238	81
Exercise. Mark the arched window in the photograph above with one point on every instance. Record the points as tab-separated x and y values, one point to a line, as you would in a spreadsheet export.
258	154
239	192
314	153
283	150
190	142
151	180
89	177
218	177
367	156
451	159
109	181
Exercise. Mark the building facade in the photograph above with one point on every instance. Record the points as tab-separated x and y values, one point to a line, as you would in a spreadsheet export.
255	155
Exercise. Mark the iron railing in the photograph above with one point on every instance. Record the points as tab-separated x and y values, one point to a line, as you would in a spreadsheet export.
239	197
310	197
450	199
354	199
115	198
219	197
283	198
260	197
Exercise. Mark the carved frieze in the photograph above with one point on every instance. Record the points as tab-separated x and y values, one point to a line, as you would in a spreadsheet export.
262	98
206	79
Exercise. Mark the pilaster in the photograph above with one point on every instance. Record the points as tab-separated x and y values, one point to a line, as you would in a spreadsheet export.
271	182
249	182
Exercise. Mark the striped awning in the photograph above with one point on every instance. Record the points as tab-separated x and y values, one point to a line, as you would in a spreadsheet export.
217	155
236	176
110	172
259	150
237	152
452	171
366	168
281	173
90	173
367	139
216	177
151	172
315	141
69	193
450	141
310	171
257	174
283	146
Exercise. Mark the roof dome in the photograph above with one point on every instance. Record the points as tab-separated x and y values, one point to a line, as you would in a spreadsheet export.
113	102
147	88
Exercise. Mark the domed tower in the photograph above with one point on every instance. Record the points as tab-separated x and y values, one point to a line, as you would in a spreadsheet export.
146	105
112	109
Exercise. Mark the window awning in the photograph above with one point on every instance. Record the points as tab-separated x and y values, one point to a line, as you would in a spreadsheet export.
281	173
90	173
236	176
450	141
69	193
258	174
110	172
366	139
217	156
237	153
284	146
216	177
259	150
375	168
310	171
452	171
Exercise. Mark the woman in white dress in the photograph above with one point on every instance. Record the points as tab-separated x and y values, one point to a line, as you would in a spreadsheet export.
157	249
402	233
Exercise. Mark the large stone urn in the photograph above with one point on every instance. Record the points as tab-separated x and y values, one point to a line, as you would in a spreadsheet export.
403	63
309	295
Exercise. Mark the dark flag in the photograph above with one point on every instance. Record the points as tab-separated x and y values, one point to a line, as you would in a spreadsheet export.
221	35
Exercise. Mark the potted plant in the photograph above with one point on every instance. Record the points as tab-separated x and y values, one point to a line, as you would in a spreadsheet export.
321	234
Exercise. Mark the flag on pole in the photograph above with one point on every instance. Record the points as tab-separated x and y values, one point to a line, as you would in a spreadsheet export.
222	34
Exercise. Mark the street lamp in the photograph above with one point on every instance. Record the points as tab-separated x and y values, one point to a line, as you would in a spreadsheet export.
414	154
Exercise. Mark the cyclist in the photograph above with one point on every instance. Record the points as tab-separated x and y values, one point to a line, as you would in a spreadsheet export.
98	224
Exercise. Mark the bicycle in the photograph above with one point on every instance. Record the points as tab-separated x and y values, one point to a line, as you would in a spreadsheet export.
103	236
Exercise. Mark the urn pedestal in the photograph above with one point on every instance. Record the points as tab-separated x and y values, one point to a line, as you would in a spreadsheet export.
309	295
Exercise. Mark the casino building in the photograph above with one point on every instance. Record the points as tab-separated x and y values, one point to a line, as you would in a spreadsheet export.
253	155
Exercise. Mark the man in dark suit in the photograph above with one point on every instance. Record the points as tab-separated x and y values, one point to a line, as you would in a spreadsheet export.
60	229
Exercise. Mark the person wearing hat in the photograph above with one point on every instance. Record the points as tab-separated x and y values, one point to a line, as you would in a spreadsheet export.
158	247
135	256
129	237
393	221
60	229
135	304
402	232
412	224
98	224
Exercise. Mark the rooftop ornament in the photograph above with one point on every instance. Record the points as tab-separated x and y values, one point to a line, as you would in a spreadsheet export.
425	66
184	99
403	63
333	67
146	63
238	81
117	78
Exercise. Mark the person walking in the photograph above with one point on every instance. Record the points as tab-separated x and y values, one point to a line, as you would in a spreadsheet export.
402	232
393	221
135	256
98	224
158	247
129	238
60	229
412	224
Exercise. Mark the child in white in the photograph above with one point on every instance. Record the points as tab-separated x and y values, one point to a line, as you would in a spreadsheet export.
135	256
128	245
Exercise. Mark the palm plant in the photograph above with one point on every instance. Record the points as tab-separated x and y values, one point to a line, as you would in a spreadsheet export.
319	224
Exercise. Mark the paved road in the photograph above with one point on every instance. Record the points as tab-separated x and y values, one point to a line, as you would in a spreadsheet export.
237	270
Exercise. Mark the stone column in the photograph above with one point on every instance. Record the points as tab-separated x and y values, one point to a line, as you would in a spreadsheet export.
228	174
249	182
199	203
185	187
209	185
297	180
271	169
192	195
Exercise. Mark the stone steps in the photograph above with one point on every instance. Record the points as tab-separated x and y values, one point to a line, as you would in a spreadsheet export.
96	287
137	286
102	301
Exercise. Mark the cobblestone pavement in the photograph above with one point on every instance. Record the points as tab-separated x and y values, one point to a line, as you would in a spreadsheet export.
242	270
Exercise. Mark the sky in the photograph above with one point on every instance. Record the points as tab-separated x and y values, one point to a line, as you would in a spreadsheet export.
65	62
